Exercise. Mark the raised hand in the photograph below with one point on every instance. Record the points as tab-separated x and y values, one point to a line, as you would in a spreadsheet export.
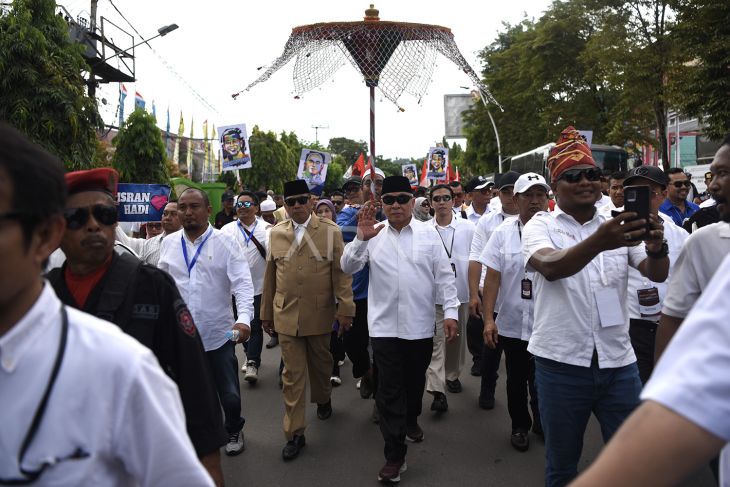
621	231
366	228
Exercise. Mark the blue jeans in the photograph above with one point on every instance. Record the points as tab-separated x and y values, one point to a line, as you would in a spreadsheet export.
255	342
224	365
567	395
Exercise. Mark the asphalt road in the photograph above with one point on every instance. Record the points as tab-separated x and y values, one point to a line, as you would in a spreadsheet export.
466	446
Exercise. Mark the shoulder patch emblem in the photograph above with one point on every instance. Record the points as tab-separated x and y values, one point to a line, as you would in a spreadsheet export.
184	318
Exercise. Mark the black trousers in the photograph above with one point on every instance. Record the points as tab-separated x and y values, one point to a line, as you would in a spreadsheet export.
357	339
643	337
402	368
489	367
520	366
474	339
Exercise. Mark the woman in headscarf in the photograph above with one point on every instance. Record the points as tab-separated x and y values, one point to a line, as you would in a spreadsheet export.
422	209
325	209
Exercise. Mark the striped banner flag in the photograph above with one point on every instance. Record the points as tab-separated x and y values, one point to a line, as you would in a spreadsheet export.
122	97
138	101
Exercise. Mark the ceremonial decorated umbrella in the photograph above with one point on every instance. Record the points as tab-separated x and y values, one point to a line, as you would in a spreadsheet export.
391	56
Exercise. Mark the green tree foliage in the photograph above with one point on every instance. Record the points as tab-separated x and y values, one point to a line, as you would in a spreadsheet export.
42	92
349	149
335	173
701	82
140	152
274	161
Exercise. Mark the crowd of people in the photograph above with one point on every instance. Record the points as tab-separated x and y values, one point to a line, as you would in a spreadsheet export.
582	298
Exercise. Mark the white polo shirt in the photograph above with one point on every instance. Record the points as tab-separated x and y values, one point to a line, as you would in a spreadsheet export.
407	269
675	237
503	253
484	228
111	399
567	324
218	273
700	257
692	376
456	238
256	263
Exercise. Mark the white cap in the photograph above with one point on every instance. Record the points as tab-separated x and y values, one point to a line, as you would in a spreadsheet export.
268	205
378	172
528	180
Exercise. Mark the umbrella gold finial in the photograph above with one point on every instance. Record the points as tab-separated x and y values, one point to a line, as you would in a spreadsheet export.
371	14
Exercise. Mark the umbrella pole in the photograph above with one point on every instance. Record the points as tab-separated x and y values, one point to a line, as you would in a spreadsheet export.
372	126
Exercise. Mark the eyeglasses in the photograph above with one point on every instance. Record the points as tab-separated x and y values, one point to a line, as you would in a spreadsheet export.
338	202
156	225
402	199
439	199
244	204
302	200
575	175
679	184
77	217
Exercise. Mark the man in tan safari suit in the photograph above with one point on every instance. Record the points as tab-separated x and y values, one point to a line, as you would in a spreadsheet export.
304	292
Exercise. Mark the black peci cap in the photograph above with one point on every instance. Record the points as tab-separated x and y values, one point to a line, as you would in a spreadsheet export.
396	184
296	187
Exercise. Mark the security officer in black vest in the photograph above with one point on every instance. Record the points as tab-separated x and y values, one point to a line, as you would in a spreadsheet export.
141	299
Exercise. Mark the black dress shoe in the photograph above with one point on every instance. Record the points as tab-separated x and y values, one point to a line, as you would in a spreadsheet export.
519	440
324	411
454	386
292	447
476	369
486	402
439	404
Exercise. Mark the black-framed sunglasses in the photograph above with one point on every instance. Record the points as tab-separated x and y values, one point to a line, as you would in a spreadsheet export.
575	175
77	217
439	199
302	200
244	204
402	199
679	184
12	215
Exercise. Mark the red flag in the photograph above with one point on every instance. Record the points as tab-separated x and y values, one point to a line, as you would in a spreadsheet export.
424	174
450	176
359	168
458	177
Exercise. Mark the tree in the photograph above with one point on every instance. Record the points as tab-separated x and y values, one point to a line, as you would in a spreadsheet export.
273	161
140	155
349	149
42	92
701	82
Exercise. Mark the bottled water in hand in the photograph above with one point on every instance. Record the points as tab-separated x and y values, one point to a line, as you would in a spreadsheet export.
232	335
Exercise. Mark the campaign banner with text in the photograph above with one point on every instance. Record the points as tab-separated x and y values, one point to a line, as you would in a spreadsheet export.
141	202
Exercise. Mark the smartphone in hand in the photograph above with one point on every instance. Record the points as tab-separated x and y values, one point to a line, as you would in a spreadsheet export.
637	200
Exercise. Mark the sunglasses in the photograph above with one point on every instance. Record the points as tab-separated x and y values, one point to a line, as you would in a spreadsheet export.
679	184
244	204
439	199
302	200
402	199
77	217
575	175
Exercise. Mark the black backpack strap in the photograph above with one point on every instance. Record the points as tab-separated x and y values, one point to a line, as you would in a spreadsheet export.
118	289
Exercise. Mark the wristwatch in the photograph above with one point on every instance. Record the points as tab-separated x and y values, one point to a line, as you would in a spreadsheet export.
663	252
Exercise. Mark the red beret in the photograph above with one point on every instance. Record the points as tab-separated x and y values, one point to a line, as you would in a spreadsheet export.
570	150
102	179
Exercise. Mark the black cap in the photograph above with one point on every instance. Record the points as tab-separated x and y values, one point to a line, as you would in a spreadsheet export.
478	182
227	196
652	173
396	184
508	179
296	187
353	180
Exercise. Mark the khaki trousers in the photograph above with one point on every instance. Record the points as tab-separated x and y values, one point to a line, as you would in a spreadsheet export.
308	355
447	359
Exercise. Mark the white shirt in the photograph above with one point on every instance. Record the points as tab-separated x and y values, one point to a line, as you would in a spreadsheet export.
692	376
495	204
700	257
300	229
472	215
608	208
256	263
406	270
148	249
110	399
484	228
503	253
605	200
218	272
567	325
456	239
675	237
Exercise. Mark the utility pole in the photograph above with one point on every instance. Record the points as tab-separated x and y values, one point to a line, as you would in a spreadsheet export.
92	27
316	131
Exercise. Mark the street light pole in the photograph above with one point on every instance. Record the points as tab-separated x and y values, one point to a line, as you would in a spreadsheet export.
161	32
496	133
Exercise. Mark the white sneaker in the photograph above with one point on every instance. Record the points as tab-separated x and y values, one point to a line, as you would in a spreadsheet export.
357	385
341	363
235	444
335	380
252	372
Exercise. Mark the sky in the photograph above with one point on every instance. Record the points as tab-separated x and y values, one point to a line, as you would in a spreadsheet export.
220	44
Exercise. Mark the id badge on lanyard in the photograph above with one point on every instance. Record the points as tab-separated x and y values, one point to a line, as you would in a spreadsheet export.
649	304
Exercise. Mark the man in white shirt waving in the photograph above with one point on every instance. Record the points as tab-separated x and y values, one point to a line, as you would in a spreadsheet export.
584	361
207	269
408	268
